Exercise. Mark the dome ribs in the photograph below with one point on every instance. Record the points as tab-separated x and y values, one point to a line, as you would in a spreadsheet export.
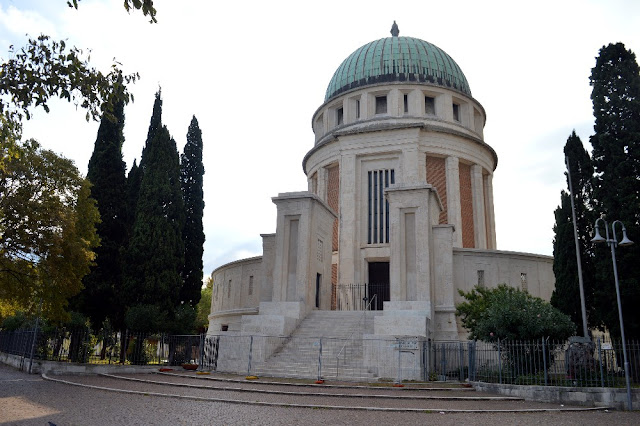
397	59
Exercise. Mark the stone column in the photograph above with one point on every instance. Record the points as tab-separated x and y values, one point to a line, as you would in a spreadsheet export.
445	327
268	259
395	103
348	233
454	208
322	183
491	219
412	167
477	193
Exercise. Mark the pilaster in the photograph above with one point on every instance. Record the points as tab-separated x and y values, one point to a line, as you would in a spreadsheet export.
454	208
477	193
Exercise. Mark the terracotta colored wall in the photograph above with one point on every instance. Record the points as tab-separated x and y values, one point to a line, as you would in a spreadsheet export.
436	176
333	192
466	206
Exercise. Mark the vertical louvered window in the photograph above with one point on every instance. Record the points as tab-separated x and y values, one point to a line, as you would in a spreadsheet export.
378	207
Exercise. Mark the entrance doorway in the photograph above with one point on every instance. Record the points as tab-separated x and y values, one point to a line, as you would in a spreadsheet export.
378	284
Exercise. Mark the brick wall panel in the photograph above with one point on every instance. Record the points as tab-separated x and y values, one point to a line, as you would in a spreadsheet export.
333	197
466	204
437	176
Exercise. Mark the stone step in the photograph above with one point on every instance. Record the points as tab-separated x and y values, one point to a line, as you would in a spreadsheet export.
298	356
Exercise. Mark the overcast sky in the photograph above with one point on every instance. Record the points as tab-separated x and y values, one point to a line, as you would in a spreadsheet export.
254	72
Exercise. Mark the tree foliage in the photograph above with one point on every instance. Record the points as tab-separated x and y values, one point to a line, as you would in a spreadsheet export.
46	68
508	313
155	256
191	173
566	295
106	172
145	5
616	156
48	230
204	306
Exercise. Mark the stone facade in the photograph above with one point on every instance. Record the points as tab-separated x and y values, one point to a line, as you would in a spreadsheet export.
400	193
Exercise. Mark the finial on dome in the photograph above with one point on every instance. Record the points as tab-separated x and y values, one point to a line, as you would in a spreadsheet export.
394	29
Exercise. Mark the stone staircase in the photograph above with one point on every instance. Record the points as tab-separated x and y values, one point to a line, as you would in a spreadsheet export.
339	332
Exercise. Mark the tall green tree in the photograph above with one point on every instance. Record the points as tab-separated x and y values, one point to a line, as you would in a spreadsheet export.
134	179
154	127
616	156
191	173
48	222
106	172
155	256
566	295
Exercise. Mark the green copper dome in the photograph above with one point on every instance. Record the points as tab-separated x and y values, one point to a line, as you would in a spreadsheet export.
394	59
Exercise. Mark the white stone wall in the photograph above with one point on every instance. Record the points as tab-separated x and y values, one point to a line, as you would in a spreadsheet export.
501	267
231	296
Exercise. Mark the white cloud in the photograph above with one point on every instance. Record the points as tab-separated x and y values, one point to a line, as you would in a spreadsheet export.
16	23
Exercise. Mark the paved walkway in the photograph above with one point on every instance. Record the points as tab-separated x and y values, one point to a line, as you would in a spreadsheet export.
31	400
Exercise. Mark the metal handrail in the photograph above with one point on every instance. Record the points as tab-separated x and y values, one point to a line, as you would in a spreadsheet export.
351	335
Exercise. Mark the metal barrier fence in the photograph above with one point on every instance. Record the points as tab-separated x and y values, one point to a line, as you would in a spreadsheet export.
543	362
103	348
357	297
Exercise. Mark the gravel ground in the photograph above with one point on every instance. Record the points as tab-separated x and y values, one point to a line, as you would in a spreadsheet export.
30	400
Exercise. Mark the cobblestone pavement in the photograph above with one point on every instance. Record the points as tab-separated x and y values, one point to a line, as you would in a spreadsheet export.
30	400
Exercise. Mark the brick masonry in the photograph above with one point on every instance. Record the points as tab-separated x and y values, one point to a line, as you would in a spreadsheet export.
466	206
436	176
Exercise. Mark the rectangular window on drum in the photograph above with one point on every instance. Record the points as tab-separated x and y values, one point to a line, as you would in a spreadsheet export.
377	206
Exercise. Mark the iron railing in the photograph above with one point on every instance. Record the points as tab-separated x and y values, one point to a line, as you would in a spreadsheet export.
358	297
83	346
542	362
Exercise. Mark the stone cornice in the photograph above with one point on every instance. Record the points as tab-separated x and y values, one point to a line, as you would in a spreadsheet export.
390	123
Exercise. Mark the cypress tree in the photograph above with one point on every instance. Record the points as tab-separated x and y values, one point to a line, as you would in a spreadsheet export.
155	257
106	172
191	173
566	295
616	155
134	178
154	126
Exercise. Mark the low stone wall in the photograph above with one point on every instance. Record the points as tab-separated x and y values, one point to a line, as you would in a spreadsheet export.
590	397
57	367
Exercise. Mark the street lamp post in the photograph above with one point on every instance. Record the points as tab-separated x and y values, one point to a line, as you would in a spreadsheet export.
613	242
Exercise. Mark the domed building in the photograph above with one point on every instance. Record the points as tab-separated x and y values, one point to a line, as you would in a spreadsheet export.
398	214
